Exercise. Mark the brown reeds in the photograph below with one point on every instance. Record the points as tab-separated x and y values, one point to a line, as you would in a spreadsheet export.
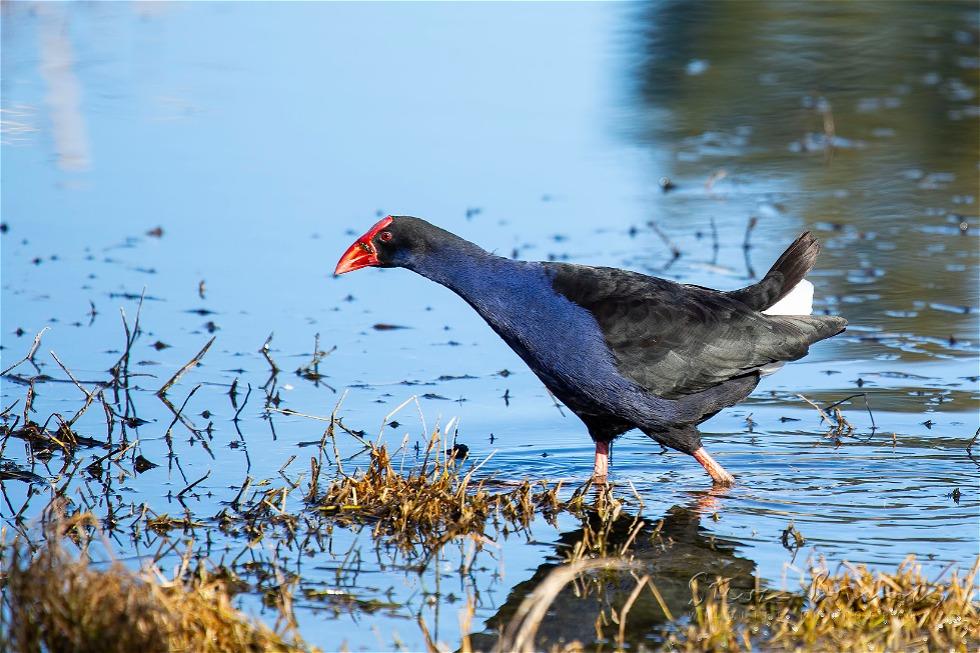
58	602
852	610
423	508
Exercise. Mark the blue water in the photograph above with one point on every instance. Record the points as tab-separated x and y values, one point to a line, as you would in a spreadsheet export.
263	138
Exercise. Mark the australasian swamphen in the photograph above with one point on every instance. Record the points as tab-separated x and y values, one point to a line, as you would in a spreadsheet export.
621	349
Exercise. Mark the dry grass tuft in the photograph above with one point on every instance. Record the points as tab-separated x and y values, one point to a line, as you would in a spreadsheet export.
427	506
854	610
53	601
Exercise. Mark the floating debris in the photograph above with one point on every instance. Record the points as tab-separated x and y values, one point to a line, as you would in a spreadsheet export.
381	326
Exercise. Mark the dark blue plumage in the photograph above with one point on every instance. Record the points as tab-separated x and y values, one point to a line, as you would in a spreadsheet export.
622	350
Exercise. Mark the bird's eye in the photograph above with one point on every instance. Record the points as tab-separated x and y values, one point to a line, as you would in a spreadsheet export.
384	236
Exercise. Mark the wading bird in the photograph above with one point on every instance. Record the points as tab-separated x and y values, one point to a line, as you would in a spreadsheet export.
621	349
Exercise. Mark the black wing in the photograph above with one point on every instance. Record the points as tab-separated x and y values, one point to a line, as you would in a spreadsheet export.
676	340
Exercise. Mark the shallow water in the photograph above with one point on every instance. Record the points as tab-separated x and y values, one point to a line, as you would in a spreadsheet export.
262	139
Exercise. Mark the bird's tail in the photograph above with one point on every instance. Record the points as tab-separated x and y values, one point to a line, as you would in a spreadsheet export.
812	328
784	291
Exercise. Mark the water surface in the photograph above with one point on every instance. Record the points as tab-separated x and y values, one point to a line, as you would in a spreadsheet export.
218	158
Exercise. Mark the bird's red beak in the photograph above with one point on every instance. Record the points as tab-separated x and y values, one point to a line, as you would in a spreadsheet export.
362	253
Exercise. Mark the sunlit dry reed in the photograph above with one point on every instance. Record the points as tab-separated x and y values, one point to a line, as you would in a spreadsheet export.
54	601
853	610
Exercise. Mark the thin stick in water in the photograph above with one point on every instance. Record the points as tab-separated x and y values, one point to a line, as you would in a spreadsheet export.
30	353
194	362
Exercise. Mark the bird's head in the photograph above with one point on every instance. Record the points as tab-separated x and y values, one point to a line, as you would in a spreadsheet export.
394	241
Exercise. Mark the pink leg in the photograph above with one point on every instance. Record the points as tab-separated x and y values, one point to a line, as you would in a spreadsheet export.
717	472
601	468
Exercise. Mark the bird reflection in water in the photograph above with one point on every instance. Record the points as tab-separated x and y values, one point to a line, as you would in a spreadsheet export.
672	550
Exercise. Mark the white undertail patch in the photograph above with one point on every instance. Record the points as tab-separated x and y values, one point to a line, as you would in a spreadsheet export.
799	301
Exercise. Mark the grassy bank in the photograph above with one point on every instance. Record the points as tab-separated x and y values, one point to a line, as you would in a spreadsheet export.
57	601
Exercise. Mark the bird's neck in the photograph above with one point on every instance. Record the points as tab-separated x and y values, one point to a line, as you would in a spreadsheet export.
467	269
512	296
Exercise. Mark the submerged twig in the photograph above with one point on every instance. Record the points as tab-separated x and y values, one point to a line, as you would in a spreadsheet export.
264	350
621	637
89	396
120	370
193	485
239	409
841	427
969	449
675	251
518	636
747	246
30	353
178	413
187	366
867	404
823	415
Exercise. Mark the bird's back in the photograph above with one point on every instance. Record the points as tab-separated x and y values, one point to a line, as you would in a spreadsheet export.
676	340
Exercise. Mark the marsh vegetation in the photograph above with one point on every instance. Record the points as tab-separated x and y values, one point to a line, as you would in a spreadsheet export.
193	411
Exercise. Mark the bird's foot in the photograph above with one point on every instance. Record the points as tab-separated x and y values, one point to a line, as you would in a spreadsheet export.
716	471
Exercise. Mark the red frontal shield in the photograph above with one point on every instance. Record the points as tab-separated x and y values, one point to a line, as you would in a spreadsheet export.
361	253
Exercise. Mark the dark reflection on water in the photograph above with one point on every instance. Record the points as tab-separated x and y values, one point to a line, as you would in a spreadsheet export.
667	549
223	155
